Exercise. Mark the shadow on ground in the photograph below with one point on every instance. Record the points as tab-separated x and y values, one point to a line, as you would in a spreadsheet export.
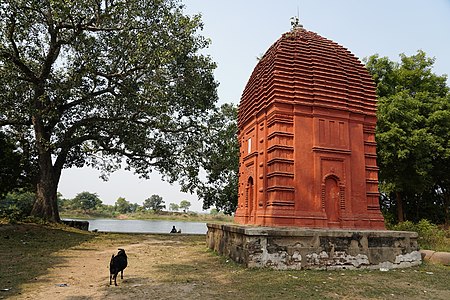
26	252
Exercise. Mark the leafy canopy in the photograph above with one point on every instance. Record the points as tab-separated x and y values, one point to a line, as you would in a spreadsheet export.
86	201
221	161
413	126
102	83
155	203
184	205
408	93
174	207
123	206
113	79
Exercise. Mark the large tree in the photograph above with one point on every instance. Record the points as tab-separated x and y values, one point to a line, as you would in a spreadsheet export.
439	124
174	207
412	128
123	206
184	205
155	203
86	201
93	82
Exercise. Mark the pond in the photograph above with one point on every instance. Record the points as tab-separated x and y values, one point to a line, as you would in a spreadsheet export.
145	226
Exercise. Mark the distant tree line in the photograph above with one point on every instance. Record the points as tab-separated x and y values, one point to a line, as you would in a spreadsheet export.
17	205
90	202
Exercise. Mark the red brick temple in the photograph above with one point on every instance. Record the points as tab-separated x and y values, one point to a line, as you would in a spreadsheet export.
306	123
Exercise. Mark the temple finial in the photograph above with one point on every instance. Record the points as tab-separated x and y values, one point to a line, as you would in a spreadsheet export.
295	21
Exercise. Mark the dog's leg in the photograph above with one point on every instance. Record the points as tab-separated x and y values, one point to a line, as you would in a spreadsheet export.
121	274
115	279
110	277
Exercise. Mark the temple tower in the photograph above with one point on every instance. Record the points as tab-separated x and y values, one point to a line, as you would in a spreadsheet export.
306	122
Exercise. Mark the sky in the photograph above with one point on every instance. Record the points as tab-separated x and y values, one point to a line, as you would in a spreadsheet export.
242	30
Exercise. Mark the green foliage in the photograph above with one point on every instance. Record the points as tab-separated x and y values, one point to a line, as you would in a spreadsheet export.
155	203
431	237
221	161
193	214
123	206
15	171
174	207
16	206
413	74
404	142
412	136
86	201
9	164
184	205
106	210
104	84
136	208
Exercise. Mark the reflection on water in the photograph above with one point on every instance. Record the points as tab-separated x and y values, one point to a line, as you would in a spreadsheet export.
146	226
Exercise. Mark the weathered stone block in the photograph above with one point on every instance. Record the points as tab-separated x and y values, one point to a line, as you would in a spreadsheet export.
285	248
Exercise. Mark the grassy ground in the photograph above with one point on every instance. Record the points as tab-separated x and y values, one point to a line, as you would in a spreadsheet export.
42	262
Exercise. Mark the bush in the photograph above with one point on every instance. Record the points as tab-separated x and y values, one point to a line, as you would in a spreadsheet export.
16	206
431	237
403	226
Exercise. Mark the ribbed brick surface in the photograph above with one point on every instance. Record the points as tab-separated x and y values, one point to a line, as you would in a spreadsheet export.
303	67
306	123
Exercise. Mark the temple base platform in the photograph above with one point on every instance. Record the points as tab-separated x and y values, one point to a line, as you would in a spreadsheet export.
293	248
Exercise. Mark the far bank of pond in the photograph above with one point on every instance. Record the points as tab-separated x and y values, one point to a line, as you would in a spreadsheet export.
166	216
144	226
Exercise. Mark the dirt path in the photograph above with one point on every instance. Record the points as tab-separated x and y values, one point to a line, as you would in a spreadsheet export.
84	272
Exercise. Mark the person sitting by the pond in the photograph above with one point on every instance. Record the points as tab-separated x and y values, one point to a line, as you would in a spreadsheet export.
174	230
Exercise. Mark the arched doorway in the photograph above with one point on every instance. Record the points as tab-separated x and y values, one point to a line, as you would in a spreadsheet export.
332	198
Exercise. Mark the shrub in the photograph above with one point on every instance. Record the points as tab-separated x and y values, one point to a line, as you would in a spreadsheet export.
431	237
15	206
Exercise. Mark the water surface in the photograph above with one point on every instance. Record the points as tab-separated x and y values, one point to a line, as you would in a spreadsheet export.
146	226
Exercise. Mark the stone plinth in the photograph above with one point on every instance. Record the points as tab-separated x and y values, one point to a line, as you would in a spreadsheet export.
303	248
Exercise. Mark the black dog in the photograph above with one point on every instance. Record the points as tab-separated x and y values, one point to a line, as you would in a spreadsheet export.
118	264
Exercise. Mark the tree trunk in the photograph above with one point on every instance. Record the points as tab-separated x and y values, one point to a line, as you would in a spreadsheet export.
400	213
46	204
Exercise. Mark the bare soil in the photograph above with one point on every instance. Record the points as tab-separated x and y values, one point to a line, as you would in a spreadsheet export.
84	272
